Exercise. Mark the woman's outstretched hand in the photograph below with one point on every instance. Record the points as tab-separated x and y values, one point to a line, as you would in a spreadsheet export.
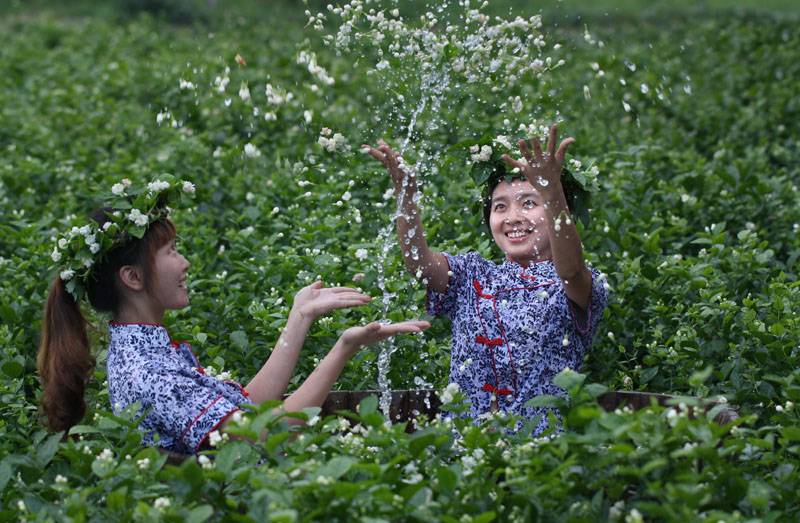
317	300
543	170
393	162
356	337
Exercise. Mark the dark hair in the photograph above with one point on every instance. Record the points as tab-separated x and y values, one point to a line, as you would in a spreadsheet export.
499	175
64	360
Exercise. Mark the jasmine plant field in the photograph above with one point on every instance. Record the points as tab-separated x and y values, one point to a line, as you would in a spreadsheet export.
686	118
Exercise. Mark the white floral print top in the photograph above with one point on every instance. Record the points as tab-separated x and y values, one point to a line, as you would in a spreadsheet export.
513	330
183	405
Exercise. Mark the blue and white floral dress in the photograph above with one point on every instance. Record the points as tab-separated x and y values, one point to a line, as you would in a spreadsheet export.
183	404
513	330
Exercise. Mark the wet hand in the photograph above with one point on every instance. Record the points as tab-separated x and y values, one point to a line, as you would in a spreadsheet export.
543	170
393	162
356	337
317	300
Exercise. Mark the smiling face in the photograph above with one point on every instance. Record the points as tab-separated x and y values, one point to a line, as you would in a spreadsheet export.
517	222
170	268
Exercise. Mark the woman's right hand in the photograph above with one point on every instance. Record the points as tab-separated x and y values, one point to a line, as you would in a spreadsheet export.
317	300
354	338
393	162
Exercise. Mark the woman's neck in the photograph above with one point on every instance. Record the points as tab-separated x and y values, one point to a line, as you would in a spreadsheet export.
131	313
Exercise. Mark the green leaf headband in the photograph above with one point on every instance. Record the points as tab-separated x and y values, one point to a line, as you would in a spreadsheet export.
577	180
133	209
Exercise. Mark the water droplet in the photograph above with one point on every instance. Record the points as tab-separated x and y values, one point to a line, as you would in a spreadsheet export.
543	182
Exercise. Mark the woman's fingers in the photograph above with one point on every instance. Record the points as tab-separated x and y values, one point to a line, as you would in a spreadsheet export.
562	149
551	142
513	163
526	152
537	149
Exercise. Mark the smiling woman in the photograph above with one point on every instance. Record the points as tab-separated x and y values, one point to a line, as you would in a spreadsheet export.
516	325
134	271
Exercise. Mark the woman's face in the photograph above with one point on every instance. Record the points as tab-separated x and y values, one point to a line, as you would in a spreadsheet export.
170	266
517	222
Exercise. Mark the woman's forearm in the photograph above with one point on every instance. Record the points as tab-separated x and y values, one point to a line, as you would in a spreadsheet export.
272	379
418	258
315	388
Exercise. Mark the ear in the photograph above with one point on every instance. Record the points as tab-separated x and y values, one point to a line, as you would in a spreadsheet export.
131	277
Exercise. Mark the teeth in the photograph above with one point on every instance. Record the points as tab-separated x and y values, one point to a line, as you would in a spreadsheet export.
517	234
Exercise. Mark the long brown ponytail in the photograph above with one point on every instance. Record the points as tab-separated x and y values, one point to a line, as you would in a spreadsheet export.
64	360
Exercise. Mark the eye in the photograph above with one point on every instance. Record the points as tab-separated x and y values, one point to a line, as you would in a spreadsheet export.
528	204
499	206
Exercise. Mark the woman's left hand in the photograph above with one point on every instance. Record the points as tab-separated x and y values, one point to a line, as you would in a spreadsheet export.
543	170
317	300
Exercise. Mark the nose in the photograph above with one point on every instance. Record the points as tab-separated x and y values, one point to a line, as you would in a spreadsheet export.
185	263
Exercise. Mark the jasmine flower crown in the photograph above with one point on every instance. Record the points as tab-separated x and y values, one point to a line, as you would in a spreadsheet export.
130	211
579	181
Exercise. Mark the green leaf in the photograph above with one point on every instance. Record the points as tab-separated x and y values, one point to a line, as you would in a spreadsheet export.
48	449
337	467
200	514
12	368
239	340
569	379
368	405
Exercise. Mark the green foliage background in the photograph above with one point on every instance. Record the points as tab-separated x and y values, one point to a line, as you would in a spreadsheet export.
696	225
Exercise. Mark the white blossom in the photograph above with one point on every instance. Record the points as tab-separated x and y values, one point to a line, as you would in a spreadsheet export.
244	93
361	254
67	274
157	186
161	503
448	393
117	188
251	151
188	187
55	254
137	217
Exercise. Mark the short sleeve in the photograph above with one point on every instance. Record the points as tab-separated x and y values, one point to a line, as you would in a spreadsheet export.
462	268
585	327
184	409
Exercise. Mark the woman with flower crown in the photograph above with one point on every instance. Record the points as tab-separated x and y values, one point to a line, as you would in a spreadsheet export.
517	324
126	262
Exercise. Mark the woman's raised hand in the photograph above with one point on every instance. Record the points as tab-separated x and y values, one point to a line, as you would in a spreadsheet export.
543	170
317	300
356	337
394	164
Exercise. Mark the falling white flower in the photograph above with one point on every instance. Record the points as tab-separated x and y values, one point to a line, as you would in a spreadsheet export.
137	217
188	187
308	116
361	254
251	151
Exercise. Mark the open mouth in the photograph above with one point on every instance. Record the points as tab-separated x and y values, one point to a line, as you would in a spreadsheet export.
518	235
182	284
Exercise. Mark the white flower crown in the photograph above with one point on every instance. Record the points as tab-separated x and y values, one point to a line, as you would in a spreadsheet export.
130	211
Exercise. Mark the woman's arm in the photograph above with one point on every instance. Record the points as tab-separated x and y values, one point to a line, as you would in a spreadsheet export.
565	243
310	303
315	388
426	263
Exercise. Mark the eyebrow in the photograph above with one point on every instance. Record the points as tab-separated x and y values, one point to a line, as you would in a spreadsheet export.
519	196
